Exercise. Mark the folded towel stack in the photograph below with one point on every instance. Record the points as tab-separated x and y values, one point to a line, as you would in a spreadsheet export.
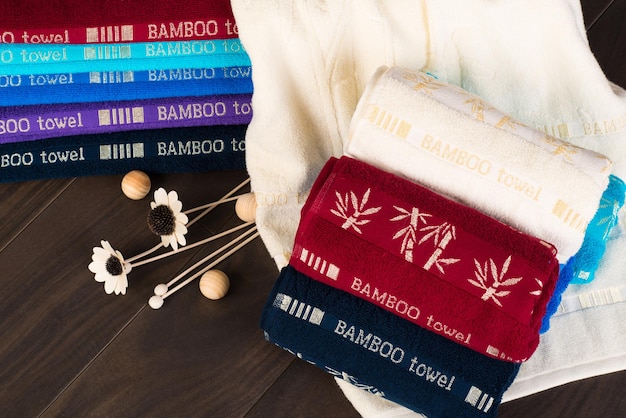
439	245
543	75
73	74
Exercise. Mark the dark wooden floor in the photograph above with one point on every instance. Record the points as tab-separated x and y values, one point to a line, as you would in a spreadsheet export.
68	349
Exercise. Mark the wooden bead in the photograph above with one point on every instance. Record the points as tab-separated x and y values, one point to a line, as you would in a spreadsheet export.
136	185
155	302
214	284
245	207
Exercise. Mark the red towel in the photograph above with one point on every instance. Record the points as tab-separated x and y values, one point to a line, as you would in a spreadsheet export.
435	262
112	21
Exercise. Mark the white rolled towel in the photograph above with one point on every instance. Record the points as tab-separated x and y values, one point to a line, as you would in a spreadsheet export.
455	143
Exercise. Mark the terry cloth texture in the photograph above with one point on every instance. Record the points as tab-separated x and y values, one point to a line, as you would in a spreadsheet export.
380	352
451	141
590	254
174	150
306	88
432	261
77	21
98	86
28	123
530	60
586	260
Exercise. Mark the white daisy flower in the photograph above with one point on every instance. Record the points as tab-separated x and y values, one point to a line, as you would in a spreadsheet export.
109	267
166	219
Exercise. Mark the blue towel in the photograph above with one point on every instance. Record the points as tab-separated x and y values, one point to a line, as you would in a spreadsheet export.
17	90
581	268
590	254
377	351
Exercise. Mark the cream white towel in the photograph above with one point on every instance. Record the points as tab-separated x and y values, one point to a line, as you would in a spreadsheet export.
436	134
311	61
529	58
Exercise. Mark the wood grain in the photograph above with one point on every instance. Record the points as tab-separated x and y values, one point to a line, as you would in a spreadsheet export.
68	349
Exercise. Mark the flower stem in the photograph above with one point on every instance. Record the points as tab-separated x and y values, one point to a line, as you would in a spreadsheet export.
212	206
190	246
214	263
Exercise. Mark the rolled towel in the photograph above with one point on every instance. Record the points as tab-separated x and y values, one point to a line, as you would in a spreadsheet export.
535	64
410	124
432	261
379	352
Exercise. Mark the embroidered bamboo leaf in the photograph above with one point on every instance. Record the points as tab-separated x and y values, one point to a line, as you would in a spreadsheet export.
537	292
442	235
511	282
497	280
440	262
358	210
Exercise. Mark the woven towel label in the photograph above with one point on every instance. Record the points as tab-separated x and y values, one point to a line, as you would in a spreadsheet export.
476	164
477	108
21	54
157	151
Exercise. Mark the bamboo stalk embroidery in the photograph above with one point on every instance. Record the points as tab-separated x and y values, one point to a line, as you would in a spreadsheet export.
408	233
440	234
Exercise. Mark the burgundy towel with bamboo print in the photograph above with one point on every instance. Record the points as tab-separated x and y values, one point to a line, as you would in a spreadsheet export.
435	262
113	21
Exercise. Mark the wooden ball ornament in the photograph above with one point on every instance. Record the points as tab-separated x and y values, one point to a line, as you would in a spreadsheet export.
245	207
214	284
136	185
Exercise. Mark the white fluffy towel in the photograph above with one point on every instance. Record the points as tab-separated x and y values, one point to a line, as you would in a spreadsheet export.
311	61
453	142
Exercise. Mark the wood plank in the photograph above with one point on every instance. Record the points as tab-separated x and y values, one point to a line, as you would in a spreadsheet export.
593	9
304	390
54	318
22	202
193	357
